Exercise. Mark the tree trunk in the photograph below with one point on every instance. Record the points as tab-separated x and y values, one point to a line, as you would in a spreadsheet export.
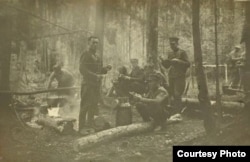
5	51
218	96
130	37
99	24
203	97
89	141
152	33
246	40
7	118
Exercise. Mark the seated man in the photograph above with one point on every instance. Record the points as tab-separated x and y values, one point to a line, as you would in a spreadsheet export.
153	105
64	78
149	69
119	88
135	78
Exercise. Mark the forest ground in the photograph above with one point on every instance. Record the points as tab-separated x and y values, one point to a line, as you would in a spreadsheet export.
45	145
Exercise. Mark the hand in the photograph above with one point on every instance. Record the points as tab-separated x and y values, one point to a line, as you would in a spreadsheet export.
136	97
124	77
121	75
161	58
175	60
109	67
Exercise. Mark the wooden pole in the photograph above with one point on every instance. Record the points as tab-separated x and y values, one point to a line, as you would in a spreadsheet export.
7	92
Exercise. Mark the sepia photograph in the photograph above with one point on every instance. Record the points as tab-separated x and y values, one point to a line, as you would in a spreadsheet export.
123	80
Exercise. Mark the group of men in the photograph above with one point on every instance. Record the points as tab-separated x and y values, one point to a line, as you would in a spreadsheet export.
153	97
147	88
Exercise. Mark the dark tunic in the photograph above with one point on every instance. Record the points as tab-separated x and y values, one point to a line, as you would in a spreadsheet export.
137	80
179	69
90	67
177	76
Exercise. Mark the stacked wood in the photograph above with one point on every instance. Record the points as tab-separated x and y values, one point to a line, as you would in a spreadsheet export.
61	125
89	141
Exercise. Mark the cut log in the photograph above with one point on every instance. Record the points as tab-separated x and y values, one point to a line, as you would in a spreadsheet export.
61	125
193	108
89	141
194	104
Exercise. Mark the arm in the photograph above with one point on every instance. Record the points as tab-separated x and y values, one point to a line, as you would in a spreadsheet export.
105	69
237	58
166	63
110	92
51	78
140	76
158	100
231	57
183	60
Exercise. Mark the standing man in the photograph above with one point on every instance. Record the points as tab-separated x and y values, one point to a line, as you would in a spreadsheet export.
234	60
177	63
92	73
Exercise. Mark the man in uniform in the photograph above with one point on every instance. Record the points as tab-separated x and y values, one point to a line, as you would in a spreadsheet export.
177	63
153	105
120	85
234	61
92	72
135	78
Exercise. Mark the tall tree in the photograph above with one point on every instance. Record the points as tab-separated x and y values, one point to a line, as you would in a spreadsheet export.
218	96
5	51
99	23
152	32
203	96
7	119
246	39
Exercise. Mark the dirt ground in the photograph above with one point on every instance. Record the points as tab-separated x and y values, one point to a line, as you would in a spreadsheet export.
45	145
23	144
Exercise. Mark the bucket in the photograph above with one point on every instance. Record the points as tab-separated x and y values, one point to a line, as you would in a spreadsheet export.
123	115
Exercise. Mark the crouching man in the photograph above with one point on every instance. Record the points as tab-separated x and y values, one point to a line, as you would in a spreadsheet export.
153	106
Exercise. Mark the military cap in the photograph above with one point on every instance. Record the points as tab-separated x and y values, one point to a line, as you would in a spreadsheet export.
173	39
